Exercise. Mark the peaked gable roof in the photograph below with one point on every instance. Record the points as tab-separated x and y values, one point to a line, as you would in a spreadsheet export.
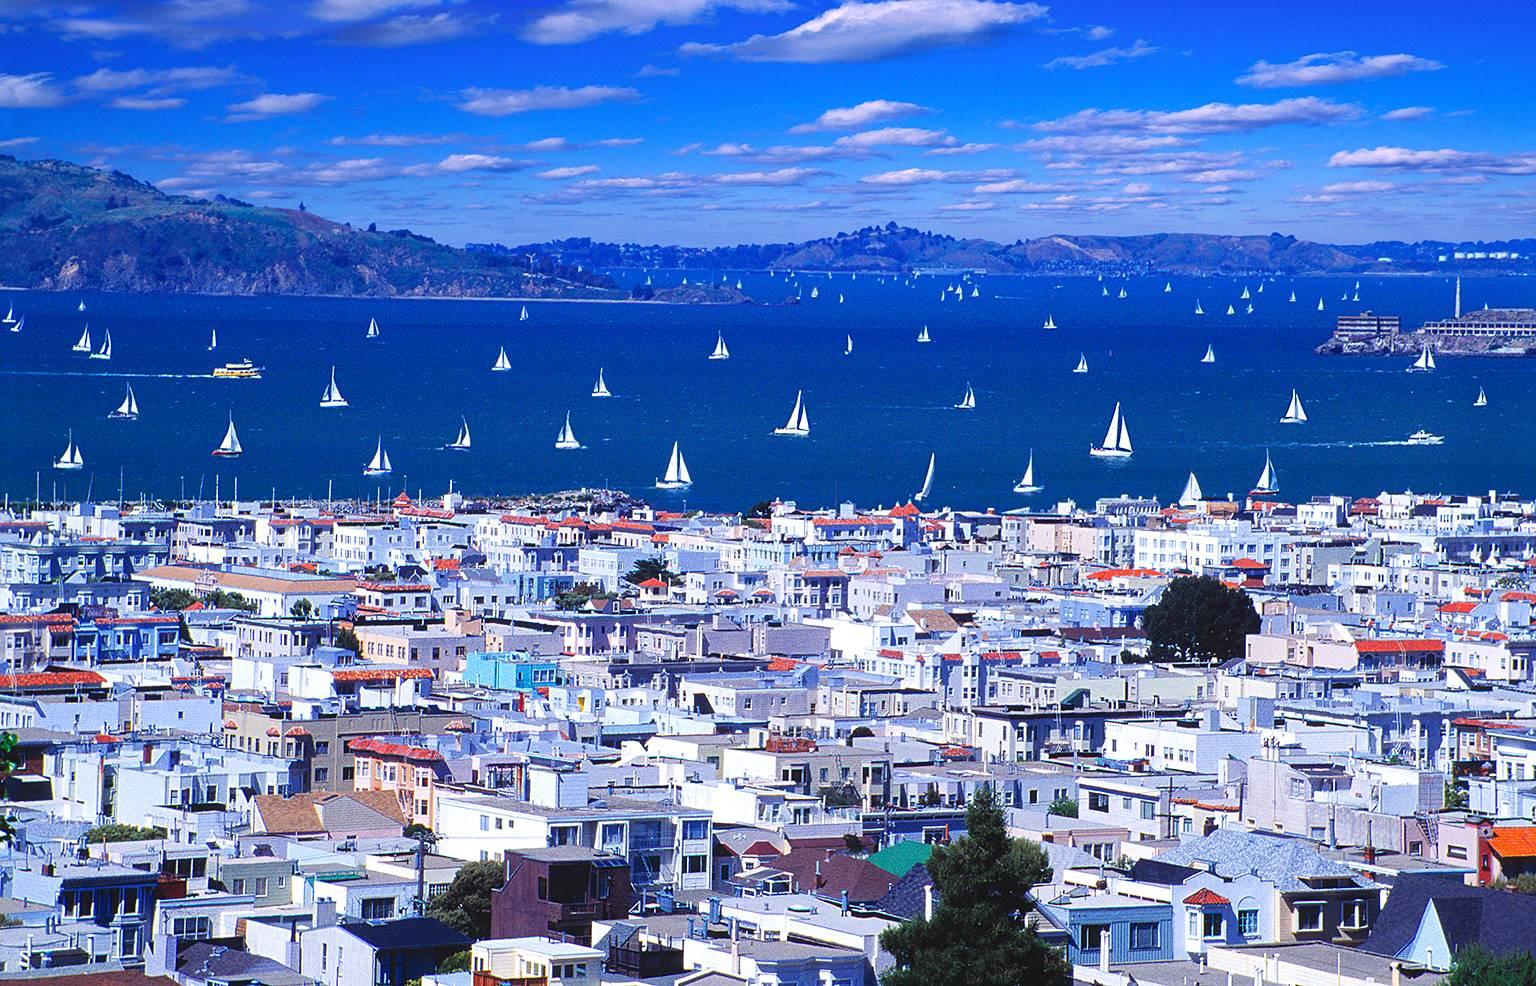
1496	920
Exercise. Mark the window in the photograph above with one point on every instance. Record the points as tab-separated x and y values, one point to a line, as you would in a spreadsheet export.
378	908
1456	852
322	774
1090	936
1352	914
1248	922
1148	809
237	886
696	864
1212	925
1309	917
1144	936
196	928
695	829
1098	801
485	823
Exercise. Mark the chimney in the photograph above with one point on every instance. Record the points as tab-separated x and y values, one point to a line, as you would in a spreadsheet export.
149	753
927	902
735	957
1397	974
1104	949
845	903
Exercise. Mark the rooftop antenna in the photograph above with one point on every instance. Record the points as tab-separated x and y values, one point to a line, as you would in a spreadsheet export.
1458	295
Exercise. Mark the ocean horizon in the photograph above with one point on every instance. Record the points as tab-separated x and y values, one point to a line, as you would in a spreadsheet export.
876	415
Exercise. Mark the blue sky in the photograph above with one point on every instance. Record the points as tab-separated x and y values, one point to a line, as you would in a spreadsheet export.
723	121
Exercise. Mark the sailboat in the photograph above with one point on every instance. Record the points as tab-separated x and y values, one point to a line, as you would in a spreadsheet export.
1295	414
1293	297
1210	354
677	476
1117	440
1245	295
923	335
1192	494
1319	304
1482	399
1425	363
1050	323
83	345
229	448
1269	481
1198	309
975	291
922	494
600	389
379	464
848	346
1250	308
839	298
71	458
461	443
19	324
1345	297
1356	297
738	284
799	423
1261	288
10	315
332	396
522	316
502	364
1231	310
567	438
1082	363
105	352
213	339
1028	484
128	410
1167	287
815	291
81	307
1122	293
721	352
373	329
1104	291
968	402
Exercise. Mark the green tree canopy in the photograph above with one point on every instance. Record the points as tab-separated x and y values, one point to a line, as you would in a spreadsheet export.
1199	619
116	832
980	932
466	905
1476	966
650	568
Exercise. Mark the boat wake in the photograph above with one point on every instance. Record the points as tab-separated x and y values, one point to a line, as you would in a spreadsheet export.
81	373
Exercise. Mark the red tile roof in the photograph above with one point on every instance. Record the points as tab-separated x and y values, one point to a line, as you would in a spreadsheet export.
379	674
1510	842
1397	646
385	749
51	679
1206	898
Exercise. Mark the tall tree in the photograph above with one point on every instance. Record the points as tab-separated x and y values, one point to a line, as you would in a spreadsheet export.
466	905
650	568
1199	619
1476	966
980	932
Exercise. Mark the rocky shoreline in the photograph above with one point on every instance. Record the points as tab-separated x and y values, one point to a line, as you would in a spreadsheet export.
1409	343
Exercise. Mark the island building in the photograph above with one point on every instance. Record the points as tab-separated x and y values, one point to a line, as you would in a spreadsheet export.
1366	327
1508	324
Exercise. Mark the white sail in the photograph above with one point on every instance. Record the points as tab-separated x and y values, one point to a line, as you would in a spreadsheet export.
105	352
1122	292
71	457
1104	291
1268	480
922	494
677	476
968	402
1295	413
213	339
1482	399
502	364
522	316
332	396
1117	438
1198	309
1425	362
81	307
84	343
462	442
1293	297
799	423
1261	288
1167	287
1027	484
10	315
1356	297
1210	354
1319	304
567	438
373	329
379	465
1245	295
600	389
721	352
1050	323
129	408
21	323
1250	308
230	446
1231	310
975	291
923	335
1192	494
815	291
1082	363
839	298
848	346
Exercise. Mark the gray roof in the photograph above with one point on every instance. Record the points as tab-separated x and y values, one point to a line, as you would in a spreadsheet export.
1279	860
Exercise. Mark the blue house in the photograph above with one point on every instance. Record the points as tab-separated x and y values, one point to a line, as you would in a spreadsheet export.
106	640
116	899
1429	919
513	671
1136	930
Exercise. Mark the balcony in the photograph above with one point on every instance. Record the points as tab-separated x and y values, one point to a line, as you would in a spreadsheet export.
482	978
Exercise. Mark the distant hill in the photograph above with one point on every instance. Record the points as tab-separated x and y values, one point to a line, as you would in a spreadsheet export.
892	247
69	227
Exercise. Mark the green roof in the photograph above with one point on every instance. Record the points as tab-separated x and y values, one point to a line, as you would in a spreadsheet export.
897	859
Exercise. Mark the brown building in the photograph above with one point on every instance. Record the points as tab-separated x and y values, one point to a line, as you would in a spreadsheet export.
321	742
560	890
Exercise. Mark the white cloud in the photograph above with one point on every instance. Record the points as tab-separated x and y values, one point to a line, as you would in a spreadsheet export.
407	30
972	148
897	137
11	143
582	20
1104	145
393	140
455	163
1212	118
362	10
860	115
1409	113
505	102
906	176
1443	159
1358	187
654	71
968	207
857	31
779	153
26	92
1329	68
157	82
148	103
561	174
546	144
1017	186
1107	56
272	104
1221	176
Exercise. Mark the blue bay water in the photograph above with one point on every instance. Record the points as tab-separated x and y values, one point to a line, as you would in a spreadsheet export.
875	415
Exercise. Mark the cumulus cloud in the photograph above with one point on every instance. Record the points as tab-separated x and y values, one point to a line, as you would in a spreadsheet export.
1211	118
11	143
860	115
1106	56
897	137
678	183
393	140
562	174
1330	68
858	31
972	148
548	144
271	104
147	103
362	10
922	176
1443	159
505	102
1018	186
156	82
406	30
1409	113
779	153
581	20
1221	176
455	163
27	92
